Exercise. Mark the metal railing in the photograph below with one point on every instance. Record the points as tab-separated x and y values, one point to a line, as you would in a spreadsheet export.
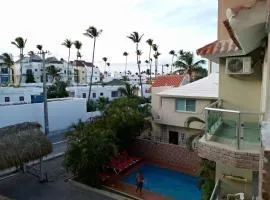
215	193
234	125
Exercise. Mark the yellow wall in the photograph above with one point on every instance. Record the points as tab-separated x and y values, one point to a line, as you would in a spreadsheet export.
229	186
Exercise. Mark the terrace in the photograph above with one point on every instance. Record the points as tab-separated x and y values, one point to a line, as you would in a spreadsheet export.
231	136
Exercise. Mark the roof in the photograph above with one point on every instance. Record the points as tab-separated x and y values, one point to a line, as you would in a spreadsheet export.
168	80
205	88
52	60
237	9
222	48
81	63
22	143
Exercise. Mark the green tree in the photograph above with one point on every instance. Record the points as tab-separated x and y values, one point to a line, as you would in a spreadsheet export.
136	38
102	103
8	62
185	61
127	120
78	46
173	54
207	175
156	55
105	59
57	90
53	72
68	44
20	44
128	91
88	150
150	43
29	77
92	33
126	55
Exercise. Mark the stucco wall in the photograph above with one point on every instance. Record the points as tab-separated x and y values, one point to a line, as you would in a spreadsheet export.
242	92
61	113
169	115
166	153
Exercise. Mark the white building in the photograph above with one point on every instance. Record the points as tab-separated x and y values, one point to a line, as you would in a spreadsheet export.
21	95
134	79
5	73
110	92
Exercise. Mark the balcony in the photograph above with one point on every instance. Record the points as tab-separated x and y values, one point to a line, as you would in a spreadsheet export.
231	136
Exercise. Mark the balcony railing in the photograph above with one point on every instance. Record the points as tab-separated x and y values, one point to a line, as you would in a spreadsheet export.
240	129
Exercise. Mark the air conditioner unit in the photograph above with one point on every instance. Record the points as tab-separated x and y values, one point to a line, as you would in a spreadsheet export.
238	65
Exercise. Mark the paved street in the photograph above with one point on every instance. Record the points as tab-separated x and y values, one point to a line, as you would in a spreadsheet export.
27	187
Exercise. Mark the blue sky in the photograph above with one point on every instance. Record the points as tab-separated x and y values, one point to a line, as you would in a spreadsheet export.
173	24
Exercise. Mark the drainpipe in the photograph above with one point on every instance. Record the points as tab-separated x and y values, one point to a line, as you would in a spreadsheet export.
209	67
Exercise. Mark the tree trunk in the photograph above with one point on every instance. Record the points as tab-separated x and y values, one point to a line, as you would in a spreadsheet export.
172	65
139	68
21	57
156	61
126	68
92	70
77	78
68	66
150	64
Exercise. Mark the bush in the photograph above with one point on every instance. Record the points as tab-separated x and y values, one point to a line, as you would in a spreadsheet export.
57	90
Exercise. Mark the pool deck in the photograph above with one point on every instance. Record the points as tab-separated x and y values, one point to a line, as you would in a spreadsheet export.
116	183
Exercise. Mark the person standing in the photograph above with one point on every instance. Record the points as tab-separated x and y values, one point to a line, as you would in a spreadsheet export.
139	182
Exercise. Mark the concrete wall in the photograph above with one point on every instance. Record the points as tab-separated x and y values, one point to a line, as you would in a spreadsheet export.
62	113
168	154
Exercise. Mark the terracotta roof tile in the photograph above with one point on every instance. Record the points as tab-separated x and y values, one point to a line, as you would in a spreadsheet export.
245	6
218	47
168	80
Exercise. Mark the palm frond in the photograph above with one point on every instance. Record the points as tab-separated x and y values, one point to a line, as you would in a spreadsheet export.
149	42
67	43
125	53
181	64
77	44
199	63
39	47
105	59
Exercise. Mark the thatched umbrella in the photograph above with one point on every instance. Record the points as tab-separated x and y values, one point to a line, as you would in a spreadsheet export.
22	143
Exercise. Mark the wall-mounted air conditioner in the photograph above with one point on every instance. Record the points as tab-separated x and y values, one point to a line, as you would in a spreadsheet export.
238	65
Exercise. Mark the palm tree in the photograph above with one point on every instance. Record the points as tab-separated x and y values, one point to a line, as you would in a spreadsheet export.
136	38
105	62
167	65
186	61
68	43
128	91
125	54
8	62
53	72
78	46
108	64
93	33
156	55
150	43
172	52
20	44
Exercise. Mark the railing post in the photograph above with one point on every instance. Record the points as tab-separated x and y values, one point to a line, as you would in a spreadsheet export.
206	124
238	130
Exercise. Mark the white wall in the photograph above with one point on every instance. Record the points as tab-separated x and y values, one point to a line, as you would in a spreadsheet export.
62	113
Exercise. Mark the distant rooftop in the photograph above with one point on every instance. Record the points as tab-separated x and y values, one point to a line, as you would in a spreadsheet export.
206	88
168	80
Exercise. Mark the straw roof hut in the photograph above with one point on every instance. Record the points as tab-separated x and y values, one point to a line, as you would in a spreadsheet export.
21	143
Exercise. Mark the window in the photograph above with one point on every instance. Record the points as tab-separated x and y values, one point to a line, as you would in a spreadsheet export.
94	95
41	70
101	94
65	71
95	78
84	95
188	105
182	139
83	72
35	70
4	70
114	94
21	98
7	99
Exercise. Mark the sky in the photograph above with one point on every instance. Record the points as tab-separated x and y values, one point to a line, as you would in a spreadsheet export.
172	24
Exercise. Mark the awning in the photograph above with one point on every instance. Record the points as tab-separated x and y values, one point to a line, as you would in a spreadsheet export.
22	143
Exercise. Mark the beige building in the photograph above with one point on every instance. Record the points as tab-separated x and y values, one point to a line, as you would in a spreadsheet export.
233	124
175	110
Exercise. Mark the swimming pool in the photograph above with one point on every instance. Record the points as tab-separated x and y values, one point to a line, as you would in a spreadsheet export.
167	182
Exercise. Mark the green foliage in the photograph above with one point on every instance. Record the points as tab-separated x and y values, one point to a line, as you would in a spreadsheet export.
53	71
88	149
102	103
128	91
91	106
207	174
57	90
30	78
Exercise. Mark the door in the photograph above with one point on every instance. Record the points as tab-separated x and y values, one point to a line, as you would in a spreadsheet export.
173	137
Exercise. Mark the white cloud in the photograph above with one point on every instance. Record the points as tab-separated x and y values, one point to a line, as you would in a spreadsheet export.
50	22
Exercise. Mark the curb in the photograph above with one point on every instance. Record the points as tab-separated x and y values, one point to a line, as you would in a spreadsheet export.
102	192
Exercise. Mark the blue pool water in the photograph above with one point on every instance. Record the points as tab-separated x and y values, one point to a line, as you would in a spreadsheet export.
166	182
